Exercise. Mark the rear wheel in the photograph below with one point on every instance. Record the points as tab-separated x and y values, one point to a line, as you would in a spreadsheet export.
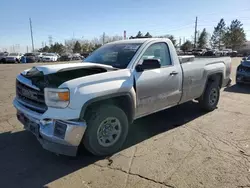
211	96
107	129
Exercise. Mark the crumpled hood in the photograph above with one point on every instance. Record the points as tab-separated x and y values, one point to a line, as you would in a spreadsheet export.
49	69
121	74
245	63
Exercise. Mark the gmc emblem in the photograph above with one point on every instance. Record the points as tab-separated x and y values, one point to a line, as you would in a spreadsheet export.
26	93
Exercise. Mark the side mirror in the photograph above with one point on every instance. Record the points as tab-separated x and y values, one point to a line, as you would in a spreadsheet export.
148	64
244	58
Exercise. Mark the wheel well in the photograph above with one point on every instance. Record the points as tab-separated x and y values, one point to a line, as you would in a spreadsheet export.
215	78
212	78
123	102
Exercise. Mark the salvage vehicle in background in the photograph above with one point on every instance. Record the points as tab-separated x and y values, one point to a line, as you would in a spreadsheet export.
14	58
243	71
212	52
49	57
199	52
66	57
31	57
3	56
94	102
77	56
39	56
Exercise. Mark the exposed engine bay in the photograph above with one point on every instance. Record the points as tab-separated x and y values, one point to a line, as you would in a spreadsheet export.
56	79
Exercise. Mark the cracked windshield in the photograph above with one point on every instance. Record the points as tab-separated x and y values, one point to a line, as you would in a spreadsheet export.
125	94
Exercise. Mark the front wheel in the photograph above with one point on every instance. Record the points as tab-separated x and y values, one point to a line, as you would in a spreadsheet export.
211	96
107	129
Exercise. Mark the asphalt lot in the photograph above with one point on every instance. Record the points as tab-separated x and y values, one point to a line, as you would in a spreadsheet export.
179	147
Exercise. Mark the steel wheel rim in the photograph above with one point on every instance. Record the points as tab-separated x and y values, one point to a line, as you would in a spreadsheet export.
213	96
109	131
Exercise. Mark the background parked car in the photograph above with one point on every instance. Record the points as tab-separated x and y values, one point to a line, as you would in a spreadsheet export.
227	52
49	57
31	57
199	52
84	55
14	58
3	56
77	56
39	55
234	54
66	57
243	71
212	53
58	56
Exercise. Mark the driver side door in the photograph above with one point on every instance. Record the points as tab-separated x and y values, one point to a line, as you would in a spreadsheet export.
157	88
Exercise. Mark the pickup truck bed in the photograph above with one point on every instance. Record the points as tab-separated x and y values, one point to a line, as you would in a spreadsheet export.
195	74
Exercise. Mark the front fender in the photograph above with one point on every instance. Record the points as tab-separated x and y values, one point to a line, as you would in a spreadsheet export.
130	103
99	86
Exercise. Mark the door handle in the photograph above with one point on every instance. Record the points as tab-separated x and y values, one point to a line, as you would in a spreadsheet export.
173	73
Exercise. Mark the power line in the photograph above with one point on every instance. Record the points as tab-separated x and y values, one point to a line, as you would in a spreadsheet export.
31	34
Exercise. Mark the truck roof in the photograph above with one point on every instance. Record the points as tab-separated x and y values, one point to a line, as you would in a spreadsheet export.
140	41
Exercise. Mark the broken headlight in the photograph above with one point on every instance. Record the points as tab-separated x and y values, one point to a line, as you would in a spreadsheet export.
58	98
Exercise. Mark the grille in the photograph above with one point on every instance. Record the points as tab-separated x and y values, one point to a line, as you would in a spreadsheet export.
30	98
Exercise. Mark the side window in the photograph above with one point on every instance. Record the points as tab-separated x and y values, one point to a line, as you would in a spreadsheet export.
158	51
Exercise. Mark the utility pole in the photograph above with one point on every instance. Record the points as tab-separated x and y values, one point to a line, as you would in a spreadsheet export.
27	49
195	31
31	34
50	40
103	38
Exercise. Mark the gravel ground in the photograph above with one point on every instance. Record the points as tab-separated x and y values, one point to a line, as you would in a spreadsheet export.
178	147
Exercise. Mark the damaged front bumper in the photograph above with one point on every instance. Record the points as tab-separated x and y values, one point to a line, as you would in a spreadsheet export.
58	136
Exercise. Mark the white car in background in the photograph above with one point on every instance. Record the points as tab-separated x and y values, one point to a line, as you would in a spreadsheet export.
14	58
49	57
39	55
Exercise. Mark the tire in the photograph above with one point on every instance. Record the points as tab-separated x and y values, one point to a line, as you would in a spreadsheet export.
96	119
211	96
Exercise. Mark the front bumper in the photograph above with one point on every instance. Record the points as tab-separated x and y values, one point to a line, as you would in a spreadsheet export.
10	60
58	136
243	77
47	60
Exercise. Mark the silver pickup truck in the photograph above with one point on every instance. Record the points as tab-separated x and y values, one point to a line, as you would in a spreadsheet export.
94	102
